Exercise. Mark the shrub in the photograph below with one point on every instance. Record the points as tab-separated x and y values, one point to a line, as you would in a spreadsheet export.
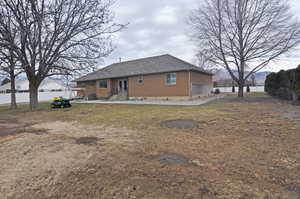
271	84
296	80
284	84
284	93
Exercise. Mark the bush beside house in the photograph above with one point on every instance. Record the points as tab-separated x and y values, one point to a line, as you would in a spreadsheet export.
284	84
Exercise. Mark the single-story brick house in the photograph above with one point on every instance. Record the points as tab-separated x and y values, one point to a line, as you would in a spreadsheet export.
162	76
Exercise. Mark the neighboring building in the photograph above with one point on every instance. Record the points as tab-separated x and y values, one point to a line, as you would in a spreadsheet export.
162	76
22	86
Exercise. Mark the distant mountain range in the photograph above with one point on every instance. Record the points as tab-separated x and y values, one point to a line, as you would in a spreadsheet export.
260	77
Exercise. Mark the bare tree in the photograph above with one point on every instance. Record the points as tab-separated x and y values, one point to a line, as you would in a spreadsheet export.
59	37
244	36
8	67
253	80
203	62
8	59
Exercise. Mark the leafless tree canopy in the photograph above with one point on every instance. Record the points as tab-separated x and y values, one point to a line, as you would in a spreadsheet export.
57	37
10	68
202	61
9	65
244	35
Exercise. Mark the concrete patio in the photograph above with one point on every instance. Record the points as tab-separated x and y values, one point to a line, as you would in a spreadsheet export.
194	102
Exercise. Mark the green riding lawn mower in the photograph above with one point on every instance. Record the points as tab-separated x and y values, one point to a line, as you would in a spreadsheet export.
59	102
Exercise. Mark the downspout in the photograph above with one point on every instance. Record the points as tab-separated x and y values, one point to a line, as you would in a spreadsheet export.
189	85
110	87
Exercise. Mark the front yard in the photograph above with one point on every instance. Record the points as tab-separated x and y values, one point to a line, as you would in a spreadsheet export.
239	149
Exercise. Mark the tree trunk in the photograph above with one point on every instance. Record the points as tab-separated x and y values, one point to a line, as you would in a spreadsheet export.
13	102
241	90
295	98
33	96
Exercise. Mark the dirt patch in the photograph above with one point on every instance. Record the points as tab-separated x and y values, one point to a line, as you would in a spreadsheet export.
291	114
38	131
206	193
75	130
180	124
9	127
87	140
169	159
295	189
34	162
13	127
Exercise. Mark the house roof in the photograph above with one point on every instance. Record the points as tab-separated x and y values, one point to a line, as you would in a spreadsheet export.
145	66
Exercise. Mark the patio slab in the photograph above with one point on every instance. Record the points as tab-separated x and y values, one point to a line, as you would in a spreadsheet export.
194	102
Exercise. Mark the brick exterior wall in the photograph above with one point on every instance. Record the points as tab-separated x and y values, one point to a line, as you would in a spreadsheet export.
155	86
201	84
200	78
104	92
90	87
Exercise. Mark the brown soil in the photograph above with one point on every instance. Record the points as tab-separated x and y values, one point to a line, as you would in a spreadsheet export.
180	124
167	158
14	127
10	127
87	140
291	114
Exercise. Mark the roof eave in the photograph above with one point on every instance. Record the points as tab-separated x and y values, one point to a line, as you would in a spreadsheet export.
133	75
203	72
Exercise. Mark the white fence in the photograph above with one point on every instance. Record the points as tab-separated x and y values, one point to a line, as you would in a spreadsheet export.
43	96
252	89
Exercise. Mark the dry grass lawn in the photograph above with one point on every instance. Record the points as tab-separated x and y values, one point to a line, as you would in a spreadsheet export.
241	149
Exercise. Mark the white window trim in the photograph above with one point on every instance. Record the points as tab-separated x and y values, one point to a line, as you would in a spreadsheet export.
106	84
171	84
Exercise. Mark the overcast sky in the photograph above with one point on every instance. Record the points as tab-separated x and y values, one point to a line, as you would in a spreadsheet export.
159	27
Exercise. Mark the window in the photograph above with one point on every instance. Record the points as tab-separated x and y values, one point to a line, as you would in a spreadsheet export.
171	79
103	83
140	80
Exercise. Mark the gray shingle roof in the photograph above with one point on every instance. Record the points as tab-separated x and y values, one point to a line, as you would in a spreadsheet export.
145	66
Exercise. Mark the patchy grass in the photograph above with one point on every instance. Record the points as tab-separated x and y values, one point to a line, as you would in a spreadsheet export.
132	116
257	94
242	149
